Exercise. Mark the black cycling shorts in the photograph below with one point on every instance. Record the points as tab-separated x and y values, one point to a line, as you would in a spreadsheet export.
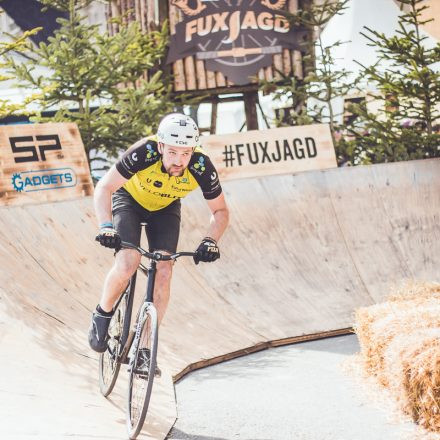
162	227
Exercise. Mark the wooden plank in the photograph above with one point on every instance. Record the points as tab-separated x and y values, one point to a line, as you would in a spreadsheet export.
174	18
290	58
53	168
179	76
151	15
287	62
297	64
210	79
292	5
201	75
268	73
250	109
115	12
288	150
277	66
143	14
178	66
138	13
214	113
220	79
123	6
190	73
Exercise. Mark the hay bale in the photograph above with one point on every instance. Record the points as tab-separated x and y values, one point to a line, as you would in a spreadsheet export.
400	347
378	325
412	363
413	290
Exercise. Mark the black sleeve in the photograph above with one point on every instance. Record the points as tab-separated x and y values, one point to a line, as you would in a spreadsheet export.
138	157
206	175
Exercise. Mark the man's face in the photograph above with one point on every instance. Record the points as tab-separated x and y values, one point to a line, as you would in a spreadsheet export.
175	159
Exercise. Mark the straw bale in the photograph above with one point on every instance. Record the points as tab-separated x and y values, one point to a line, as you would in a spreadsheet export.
378	325
400	347
414	290
412	363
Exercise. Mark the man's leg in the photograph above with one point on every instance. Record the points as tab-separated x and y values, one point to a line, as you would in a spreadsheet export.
126	263
163	234
126	220
162	287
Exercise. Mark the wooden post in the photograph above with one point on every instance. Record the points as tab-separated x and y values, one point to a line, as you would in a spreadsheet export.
250	109
214	108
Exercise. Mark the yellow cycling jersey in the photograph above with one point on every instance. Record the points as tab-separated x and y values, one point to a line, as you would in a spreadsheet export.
153	188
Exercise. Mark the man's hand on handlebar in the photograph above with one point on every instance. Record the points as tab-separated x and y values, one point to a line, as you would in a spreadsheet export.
108	236
207	251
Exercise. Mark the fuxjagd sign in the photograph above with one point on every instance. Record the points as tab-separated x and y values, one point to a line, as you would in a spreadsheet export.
42	162
236	38
274	151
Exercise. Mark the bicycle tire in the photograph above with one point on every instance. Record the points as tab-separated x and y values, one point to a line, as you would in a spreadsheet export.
109	364
138	400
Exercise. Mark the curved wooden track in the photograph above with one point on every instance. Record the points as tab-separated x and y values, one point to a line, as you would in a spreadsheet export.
302	252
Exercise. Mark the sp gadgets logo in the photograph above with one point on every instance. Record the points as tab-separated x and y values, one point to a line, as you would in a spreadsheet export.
34	149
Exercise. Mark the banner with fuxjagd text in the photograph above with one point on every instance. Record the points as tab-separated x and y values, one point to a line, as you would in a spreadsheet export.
236	38
274	151
42	163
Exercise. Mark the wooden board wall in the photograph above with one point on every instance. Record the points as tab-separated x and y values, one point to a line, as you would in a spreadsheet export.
191	74
301	253
258	153
42	163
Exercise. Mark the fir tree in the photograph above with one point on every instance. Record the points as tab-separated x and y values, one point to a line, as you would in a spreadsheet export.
312	98
8	45
98	81
407	90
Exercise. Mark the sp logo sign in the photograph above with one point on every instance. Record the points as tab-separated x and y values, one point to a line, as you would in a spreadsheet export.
33	149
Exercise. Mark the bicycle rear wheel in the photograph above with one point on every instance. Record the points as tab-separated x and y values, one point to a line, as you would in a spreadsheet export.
141	378
109	364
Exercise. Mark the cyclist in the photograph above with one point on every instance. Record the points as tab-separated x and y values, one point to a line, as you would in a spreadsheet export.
146	185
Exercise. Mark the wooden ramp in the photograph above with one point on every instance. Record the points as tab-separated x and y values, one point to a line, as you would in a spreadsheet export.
302	252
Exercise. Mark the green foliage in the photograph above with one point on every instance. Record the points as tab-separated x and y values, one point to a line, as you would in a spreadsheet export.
98	81
15	44
407	84
405	80
312	97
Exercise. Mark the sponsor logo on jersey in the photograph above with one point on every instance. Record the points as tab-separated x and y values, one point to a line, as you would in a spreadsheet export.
199	167
150	152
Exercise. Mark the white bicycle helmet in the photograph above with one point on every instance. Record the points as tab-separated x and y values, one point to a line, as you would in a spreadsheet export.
178	130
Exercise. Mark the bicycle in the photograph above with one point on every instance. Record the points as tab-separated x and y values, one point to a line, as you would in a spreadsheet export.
135	346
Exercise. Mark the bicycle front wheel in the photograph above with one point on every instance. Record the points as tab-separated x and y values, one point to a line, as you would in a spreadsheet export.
142	369
109	364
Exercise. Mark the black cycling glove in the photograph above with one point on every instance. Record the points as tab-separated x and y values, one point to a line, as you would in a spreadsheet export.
207	251
108	236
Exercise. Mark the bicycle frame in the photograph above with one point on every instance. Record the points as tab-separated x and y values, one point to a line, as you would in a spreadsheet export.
150	271
128	334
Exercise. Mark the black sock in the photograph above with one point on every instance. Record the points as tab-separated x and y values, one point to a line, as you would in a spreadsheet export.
101	312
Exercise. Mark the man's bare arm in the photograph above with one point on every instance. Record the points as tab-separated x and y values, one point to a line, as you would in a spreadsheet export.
108	184
220	217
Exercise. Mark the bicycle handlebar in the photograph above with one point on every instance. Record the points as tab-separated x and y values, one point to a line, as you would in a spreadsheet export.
157	256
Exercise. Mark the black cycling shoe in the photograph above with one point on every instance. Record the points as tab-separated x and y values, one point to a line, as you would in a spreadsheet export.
98	332
143	364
